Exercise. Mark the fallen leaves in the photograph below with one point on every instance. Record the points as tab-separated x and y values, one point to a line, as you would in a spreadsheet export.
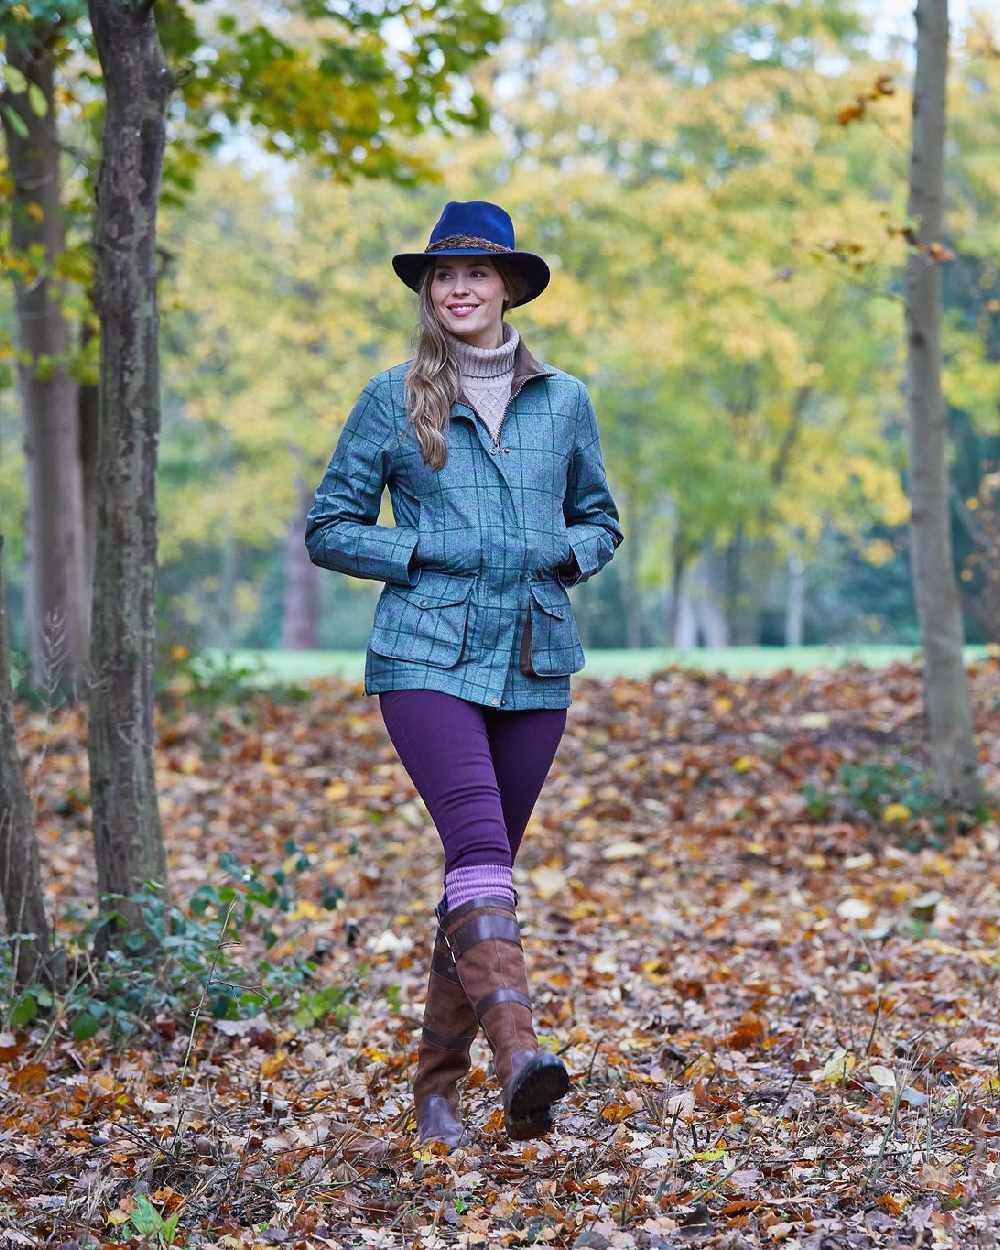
622	850
755	1003
273	1064
837	1067
548	881
31	1078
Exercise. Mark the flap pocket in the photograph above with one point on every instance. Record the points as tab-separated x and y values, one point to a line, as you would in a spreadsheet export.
435	589
551	597
555	641
424	623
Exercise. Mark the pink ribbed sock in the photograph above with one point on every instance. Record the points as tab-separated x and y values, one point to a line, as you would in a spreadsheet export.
461	884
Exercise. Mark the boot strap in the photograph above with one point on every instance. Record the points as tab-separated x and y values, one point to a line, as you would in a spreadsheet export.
505	994
479	900
483	928
443	964
444	1041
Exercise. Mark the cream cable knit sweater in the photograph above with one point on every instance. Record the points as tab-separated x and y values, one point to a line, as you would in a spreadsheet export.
487	373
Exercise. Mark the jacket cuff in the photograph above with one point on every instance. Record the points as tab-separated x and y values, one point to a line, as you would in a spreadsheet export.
400	567
584	562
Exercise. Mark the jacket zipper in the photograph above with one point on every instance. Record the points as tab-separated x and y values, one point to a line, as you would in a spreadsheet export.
510	399
495	447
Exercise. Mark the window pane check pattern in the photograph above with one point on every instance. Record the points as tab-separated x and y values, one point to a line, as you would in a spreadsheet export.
477	564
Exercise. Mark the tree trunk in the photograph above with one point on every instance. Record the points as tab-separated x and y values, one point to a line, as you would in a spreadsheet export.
735	600
795	601
127	833
685	622
300	609
946	696
711	607
57	585
226	605
631	595
20	877
88	407
678	563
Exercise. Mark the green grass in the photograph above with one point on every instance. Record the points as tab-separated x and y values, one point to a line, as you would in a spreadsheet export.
614	661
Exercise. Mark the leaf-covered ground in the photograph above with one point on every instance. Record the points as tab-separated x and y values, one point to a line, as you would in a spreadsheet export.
774	984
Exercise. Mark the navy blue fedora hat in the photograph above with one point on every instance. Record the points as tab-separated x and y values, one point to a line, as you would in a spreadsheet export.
474	228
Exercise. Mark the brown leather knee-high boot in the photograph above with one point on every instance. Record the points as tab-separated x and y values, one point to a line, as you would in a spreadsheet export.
485	941
450	1028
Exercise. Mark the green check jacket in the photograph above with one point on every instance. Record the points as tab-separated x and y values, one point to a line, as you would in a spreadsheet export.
477	565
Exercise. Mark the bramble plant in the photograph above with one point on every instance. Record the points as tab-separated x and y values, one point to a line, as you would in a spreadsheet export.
208	680
190	958
890	794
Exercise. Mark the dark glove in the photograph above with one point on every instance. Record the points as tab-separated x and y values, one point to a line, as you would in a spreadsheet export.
569	572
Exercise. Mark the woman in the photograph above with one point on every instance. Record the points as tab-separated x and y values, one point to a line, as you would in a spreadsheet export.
500	499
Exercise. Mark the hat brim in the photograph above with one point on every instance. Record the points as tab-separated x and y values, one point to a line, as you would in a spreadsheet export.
409	266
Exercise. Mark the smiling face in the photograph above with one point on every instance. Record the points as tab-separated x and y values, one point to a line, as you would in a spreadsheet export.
468	296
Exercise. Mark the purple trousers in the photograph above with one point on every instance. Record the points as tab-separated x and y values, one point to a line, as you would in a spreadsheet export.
477	769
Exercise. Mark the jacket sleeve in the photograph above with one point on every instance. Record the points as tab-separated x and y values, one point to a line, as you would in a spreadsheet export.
341	530
592	519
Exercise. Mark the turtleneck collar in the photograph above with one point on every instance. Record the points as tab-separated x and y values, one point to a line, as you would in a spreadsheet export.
485	362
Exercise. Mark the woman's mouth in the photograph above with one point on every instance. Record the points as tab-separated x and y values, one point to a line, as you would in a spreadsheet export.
462	310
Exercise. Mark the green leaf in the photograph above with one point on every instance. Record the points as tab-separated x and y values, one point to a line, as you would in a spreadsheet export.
85	1025
16	81
169	1229
16	121
24	1010
145	1218
36	97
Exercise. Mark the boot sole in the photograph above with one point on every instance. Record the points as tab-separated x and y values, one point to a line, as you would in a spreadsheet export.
537	1086
523	1130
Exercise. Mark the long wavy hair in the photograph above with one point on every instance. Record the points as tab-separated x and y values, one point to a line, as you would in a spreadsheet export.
433	381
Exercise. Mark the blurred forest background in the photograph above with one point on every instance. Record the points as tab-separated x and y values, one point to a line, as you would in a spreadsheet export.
763	911
720	191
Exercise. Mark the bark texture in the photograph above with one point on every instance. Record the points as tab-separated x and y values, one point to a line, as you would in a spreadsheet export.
127	832
300	607
58	588
20	877
946	696
89	410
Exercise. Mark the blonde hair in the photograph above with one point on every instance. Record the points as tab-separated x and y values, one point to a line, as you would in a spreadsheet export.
433	381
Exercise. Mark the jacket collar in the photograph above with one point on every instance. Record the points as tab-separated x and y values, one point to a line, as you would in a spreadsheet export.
527	365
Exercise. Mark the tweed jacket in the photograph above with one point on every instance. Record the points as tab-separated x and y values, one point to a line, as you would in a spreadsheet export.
477	564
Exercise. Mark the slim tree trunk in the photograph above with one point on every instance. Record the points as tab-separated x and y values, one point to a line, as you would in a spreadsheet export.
946	696
734	595
300	608
632	605
685	619
88	407
20	877
127	832
795	600
715	625
226	609
678	563
57	584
